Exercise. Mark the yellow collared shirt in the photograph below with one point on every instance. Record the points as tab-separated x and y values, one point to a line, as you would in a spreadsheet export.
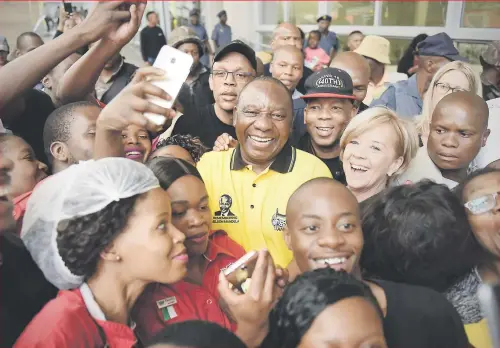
251	207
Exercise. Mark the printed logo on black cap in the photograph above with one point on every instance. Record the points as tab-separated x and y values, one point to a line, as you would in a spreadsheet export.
330	81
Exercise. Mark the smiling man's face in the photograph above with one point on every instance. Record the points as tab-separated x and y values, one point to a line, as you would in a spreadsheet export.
323	227
263	121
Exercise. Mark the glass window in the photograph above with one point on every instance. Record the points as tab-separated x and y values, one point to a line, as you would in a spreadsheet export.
303	12
398	47
479	14
418	13
351	12
272	12
266	41
471	51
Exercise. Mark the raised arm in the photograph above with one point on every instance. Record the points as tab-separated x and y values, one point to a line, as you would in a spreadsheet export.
128	107
143	46
26	71
79	81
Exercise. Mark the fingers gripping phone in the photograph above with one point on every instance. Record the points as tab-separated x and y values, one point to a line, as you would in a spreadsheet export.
239	273
177	66
489	296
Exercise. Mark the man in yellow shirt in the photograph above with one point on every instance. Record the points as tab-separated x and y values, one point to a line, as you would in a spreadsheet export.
249	185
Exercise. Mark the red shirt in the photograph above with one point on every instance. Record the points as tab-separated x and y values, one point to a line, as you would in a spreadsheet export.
66	322
160	304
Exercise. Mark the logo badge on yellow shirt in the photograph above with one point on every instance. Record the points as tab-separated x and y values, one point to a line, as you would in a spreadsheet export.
225	215
279	221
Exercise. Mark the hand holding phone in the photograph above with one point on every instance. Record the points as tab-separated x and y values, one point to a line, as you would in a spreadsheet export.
251	309
241	271
176	65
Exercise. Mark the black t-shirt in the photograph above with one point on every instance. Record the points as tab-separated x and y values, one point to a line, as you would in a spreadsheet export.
203	123
29	124
418	317
152	40
334	164
24	290
362	107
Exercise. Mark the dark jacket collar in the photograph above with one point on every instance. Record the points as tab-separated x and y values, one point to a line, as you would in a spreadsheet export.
283	163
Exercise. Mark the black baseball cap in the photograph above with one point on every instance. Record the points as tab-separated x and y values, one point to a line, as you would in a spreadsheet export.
439	45
329	83
239	47
324	18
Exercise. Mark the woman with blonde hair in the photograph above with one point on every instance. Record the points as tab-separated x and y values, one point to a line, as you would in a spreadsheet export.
376	146
452	77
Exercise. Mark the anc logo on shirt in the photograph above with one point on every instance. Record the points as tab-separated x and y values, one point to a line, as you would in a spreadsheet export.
225	215
279	221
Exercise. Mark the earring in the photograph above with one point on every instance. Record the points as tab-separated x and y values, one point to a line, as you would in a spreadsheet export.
118	258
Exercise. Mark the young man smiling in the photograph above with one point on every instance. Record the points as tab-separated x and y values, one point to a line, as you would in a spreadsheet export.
330	107
324	230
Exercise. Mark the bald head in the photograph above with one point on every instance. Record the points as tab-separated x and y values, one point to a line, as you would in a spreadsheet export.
320	189
358	68
465	105
318	213
283	51
286	34
27	42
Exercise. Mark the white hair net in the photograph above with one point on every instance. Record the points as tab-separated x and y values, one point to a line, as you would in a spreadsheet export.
80	190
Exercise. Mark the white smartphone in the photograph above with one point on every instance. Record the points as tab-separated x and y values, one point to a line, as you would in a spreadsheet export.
177	66
489	296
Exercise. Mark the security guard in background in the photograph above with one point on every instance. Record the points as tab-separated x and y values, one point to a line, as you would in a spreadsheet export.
222	35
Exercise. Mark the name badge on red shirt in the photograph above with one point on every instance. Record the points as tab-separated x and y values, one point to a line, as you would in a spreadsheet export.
167	307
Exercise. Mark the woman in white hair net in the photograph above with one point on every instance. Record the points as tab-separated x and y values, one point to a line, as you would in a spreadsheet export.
102	229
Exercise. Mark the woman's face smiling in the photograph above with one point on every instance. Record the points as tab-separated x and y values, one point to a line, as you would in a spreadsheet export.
136	143
370	158
151	248
324	228
191	213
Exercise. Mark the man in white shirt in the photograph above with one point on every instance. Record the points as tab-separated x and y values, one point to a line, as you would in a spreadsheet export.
459	129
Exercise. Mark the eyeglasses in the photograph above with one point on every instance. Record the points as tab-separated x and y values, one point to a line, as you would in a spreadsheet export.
238	76
483	204
445	88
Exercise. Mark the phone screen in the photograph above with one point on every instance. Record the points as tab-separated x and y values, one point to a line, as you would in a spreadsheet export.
177	66
68	7
239	273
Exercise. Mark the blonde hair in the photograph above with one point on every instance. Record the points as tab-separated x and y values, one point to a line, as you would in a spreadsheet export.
407	136
423	121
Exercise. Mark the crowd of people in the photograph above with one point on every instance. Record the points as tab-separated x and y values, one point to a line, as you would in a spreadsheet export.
371	197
